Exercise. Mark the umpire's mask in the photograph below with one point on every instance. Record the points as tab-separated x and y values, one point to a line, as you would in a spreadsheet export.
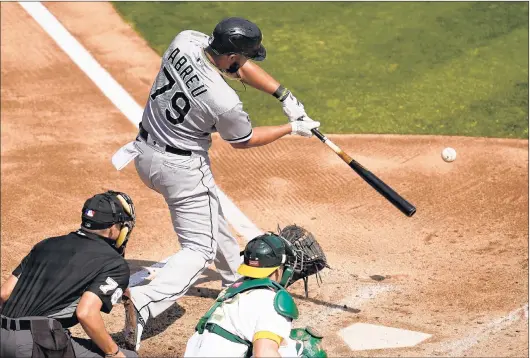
104	210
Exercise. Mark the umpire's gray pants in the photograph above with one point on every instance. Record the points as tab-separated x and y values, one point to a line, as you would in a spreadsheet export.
188	186
19	343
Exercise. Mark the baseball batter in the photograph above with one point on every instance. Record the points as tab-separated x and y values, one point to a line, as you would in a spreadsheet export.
189	101
253	317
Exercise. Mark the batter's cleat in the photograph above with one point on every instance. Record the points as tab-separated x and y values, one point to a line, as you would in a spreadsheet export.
134	325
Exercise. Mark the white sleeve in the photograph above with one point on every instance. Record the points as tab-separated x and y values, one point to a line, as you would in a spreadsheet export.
193	35
234	125
269	320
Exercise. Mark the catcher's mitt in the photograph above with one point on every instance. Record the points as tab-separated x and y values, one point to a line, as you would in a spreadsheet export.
309	257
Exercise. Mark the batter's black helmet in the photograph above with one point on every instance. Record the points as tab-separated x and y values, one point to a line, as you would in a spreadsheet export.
236	35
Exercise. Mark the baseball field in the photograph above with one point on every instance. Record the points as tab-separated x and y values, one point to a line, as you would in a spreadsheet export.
392	83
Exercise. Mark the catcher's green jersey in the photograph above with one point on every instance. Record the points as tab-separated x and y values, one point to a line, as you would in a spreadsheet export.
283	302
248	310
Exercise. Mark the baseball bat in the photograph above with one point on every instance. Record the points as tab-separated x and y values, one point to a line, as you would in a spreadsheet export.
397	200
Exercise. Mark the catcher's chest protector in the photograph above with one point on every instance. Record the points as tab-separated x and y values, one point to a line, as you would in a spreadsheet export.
283	304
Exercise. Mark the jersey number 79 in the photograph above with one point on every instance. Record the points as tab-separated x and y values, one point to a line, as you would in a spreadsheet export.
180	111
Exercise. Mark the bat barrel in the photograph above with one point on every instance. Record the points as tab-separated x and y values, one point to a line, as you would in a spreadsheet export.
382	188
387	192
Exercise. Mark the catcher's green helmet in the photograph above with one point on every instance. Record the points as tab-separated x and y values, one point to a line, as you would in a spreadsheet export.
263	255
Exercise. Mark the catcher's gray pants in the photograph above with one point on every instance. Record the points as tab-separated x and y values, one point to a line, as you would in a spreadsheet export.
19	342
187	184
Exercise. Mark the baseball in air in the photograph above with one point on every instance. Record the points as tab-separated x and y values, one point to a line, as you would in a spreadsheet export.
448	154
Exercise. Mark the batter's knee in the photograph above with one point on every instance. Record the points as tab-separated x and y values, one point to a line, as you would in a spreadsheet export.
208	255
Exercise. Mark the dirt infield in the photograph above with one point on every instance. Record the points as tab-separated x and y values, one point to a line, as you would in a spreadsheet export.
455	270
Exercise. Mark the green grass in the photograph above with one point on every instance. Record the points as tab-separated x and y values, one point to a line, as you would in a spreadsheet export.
453	68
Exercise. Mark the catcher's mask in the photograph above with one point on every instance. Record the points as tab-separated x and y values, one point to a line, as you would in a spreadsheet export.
265	254
104	210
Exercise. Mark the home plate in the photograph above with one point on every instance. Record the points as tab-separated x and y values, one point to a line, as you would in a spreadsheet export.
363	336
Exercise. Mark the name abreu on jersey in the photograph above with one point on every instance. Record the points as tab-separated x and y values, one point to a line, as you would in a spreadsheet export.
190	99
190	43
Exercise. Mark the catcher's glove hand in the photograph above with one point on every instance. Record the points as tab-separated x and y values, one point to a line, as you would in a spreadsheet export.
309	259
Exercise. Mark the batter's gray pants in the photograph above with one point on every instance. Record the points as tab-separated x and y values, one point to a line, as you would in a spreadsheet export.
188	186
19	343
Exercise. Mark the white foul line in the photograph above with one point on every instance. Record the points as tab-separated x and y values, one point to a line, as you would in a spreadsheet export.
457	348
81	57
124	102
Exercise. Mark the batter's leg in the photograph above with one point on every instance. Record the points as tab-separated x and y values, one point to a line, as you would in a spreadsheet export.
227	259
188	188
172	282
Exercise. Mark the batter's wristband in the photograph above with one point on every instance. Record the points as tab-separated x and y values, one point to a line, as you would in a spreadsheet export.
281	93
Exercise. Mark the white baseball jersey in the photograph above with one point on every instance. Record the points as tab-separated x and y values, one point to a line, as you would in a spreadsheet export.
245	315
190	99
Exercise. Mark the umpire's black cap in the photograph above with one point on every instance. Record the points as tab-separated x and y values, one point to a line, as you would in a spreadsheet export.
104	210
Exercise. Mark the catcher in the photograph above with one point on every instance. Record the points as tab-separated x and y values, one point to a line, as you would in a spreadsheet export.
253	316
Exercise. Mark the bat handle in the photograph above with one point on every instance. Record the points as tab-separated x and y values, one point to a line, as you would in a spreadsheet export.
319	135
345	157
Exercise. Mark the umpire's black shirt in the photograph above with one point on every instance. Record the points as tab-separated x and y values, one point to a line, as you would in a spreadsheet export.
58	270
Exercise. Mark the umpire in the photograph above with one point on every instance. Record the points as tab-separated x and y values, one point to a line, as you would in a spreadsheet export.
67	280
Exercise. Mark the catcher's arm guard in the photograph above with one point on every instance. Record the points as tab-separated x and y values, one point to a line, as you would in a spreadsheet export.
309	258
